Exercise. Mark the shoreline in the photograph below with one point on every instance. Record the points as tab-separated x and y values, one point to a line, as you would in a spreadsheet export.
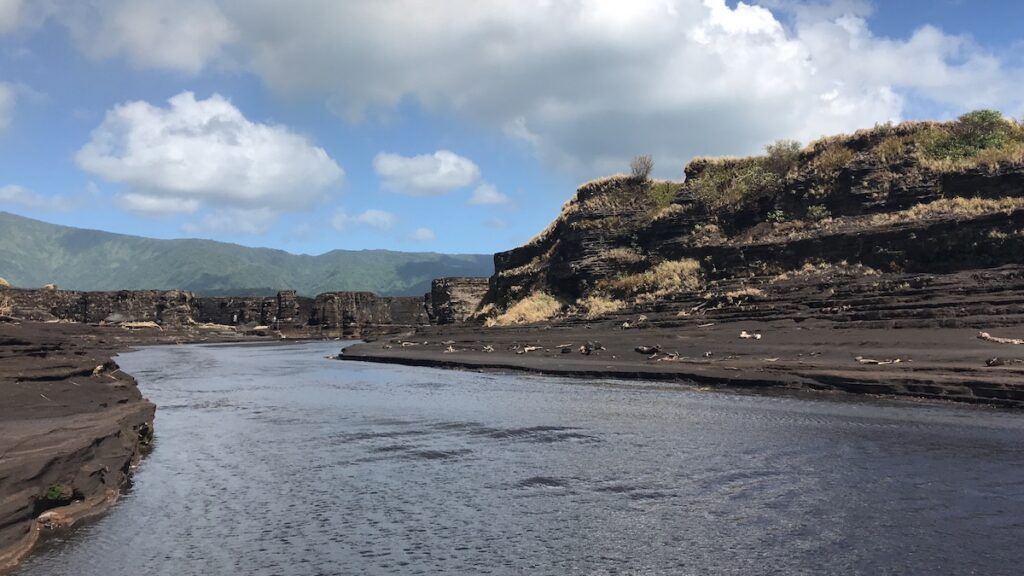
948	364
73	426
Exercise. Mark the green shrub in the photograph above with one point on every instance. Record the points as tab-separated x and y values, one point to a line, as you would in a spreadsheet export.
661	195
782	156
833	158
971	135
890	149
777	216
817	213
734	185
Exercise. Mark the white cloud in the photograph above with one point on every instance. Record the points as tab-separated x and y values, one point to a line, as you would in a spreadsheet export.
157	205
587	84
423	235
21	196
10	11
374	218
427	174
487	194
205	152
7	99
184	35
233	221
590	83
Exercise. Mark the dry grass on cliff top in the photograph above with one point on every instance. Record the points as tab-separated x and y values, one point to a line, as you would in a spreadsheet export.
672	276
946	207
4	283
597	305
537	307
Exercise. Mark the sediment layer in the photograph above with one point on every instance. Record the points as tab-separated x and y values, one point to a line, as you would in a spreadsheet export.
72	424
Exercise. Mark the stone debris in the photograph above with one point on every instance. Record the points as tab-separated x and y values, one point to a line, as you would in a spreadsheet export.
488	348
648	349
750	335
1003	361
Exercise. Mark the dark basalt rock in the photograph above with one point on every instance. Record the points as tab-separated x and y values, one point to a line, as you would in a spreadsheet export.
454	300
742	248
331	314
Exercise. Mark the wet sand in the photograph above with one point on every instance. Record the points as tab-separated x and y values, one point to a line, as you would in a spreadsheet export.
937	363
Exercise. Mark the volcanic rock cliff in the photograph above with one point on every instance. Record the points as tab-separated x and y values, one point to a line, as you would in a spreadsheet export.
332	314
915	224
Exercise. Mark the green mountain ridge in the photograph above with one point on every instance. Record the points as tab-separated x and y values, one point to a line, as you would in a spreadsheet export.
34	253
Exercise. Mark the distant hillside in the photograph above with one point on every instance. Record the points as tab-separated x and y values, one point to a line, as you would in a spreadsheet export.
34	253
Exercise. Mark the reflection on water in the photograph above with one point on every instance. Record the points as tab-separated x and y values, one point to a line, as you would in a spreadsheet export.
274	460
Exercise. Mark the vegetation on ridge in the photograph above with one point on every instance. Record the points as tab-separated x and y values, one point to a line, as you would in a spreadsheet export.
34	253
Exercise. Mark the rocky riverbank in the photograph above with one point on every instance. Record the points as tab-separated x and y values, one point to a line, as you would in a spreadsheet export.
813	355
72	424
868	262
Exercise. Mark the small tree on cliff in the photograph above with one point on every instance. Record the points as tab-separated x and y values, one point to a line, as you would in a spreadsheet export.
641	167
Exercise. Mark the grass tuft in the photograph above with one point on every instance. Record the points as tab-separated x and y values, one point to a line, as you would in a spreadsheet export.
669	277
536	307
597	305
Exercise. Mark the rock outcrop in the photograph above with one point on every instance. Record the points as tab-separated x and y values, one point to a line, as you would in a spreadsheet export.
455	300
72	425
332	314
850	228
353	313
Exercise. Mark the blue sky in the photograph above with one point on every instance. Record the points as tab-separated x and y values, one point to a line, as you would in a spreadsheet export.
461	126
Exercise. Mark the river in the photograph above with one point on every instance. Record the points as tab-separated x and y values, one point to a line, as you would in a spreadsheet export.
276	460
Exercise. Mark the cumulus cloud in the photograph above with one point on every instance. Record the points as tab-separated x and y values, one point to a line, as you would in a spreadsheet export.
587	84
21	196
374	218
423	235
195	153
183	35
10	11
487	194
157	205
426	174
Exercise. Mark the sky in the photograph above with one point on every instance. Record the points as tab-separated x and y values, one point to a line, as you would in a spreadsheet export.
449	126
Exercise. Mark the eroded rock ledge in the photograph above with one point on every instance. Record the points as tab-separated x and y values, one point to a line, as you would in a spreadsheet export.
329	315
72	426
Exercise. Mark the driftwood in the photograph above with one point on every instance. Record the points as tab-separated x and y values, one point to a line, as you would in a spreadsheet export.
872	361
749	336
135	325
990	338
